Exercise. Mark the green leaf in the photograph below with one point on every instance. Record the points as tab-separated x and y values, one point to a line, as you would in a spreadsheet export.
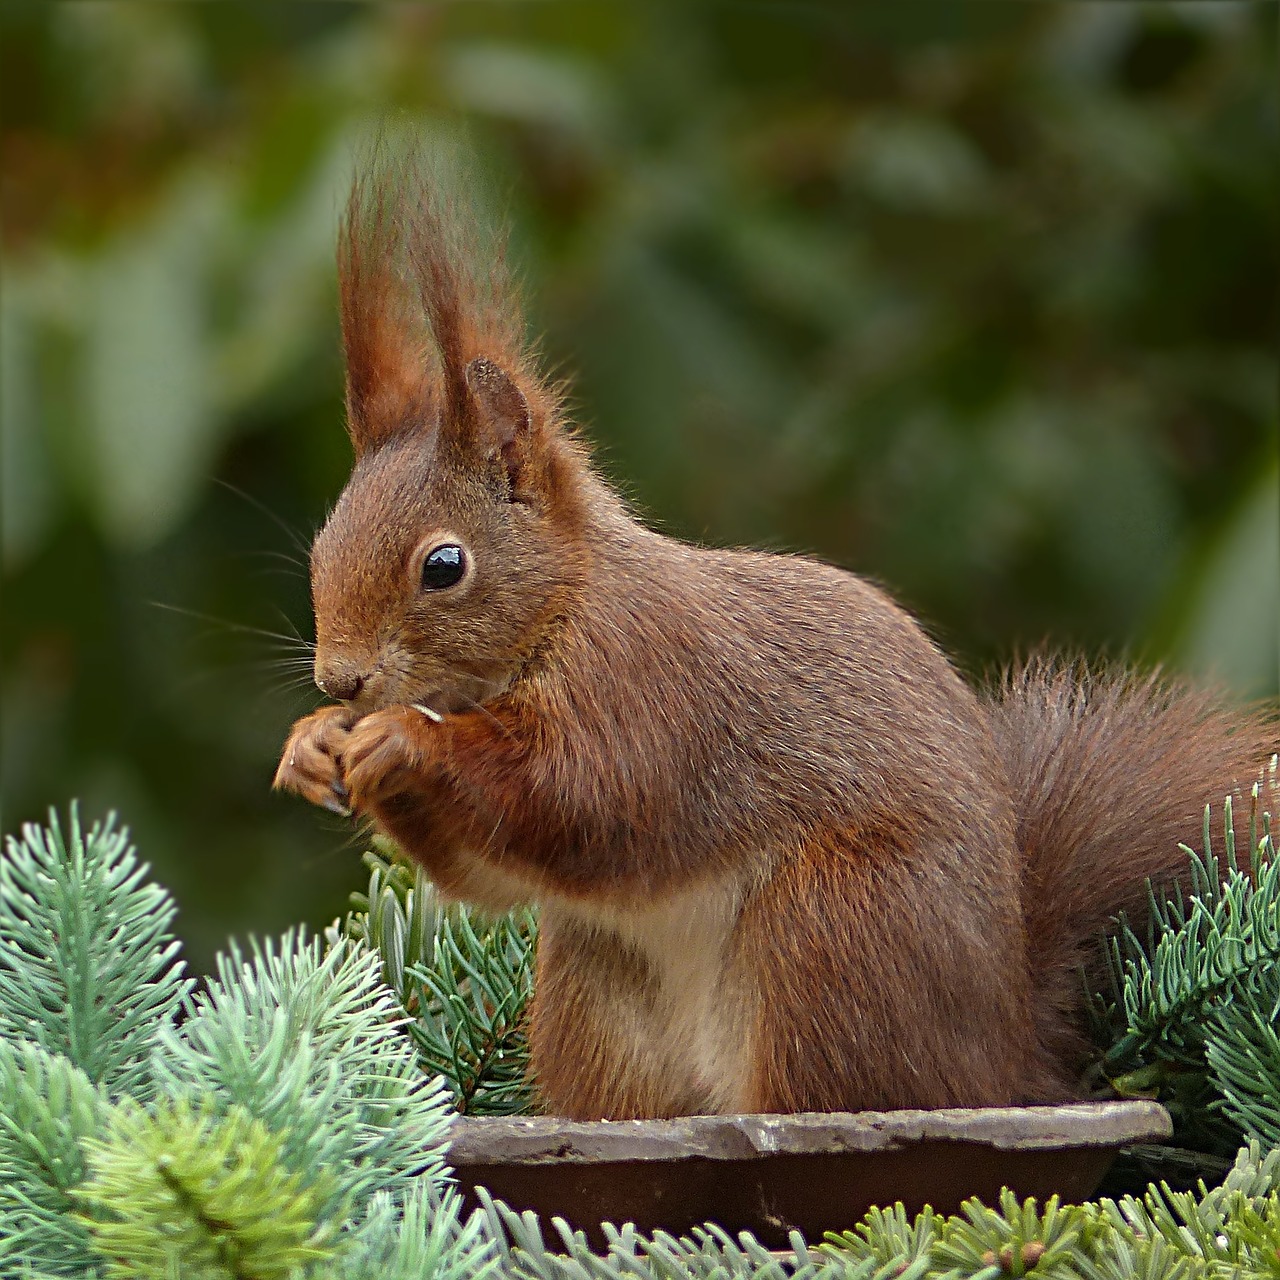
1231	630
27	489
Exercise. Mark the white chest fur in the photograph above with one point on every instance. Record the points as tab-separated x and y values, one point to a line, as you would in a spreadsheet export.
701	1007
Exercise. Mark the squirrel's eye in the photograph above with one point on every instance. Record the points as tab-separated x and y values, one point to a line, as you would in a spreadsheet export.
444	567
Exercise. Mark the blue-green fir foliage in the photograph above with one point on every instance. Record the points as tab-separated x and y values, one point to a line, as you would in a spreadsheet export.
1195	1004
285	1122
220	1183
88	967
48	1108
275	1125
465	980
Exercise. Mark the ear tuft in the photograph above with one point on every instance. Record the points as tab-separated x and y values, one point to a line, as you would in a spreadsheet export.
503	413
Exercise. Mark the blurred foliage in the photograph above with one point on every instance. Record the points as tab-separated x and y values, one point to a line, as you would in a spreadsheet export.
979	299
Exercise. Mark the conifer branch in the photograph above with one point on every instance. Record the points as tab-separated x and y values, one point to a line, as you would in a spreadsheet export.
285	1128
281	1128
309	1041
88	967
1193	1008
230	1206
48	1109
464	978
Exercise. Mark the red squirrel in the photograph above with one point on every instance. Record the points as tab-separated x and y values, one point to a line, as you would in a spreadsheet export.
786	859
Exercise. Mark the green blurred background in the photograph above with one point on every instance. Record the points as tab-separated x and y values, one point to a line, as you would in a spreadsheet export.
977	298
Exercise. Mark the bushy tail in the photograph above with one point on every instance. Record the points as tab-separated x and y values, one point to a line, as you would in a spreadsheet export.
1109	772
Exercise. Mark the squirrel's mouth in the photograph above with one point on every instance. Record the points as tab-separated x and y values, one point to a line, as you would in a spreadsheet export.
393	678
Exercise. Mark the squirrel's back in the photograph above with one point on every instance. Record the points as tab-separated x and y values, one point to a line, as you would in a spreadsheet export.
807	679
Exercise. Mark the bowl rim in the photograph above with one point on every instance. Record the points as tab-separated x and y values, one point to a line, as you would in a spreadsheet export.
531	1140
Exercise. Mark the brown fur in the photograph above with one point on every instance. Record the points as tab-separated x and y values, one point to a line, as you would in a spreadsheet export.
786	859
1111	771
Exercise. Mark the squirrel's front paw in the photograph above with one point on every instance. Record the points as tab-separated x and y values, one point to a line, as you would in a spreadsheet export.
383	750
311	762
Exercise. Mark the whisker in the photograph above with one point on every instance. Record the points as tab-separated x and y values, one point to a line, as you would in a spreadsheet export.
290	532
278	571
291	564
292	656
294	641
277	652
273	553
484	711
295	666
288	622
292	689
299	678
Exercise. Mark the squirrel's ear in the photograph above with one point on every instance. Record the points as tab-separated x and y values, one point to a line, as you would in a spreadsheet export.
502	415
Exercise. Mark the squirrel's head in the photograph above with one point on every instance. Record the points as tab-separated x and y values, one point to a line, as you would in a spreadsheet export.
454	543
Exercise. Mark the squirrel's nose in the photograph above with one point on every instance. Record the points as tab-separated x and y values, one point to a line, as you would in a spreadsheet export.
340	684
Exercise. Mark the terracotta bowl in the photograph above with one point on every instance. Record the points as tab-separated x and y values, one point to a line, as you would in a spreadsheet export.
771	1174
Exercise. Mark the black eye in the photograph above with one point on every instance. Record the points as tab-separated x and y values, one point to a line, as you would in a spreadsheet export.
444	567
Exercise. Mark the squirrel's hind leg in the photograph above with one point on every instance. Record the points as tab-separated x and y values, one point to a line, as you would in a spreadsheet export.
888	987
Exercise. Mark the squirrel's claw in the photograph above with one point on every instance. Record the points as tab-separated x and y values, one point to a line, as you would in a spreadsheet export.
338	800
335	806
